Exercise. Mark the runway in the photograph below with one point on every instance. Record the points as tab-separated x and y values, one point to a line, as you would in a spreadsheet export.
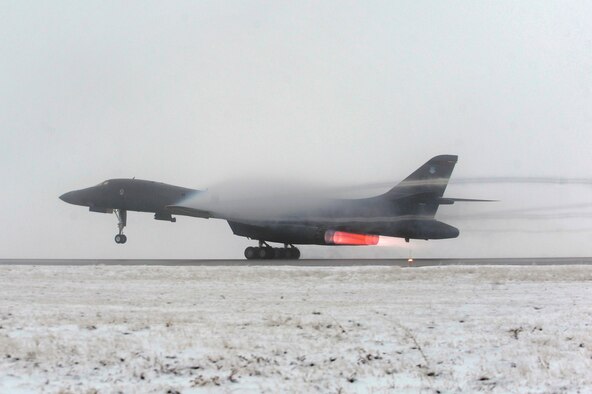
307	262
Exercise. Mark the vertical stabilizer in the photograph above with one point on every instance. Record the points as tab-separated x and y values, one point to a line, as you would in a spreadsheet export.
420	192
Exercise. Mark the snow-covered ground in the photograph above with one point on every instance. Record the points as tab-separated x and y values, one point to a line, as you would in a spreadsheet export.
349	329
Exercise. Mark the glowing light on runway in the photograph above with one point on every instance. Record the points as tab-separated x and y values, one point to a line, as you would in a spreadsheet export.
343	238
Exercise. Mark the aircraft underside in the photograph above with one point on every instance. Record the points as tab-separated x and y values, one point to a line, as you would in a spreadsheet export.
360	234
344	234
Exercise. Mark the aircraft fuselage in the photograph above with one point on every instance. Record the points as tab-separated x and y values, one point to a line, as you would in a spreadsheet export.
130	195
406	211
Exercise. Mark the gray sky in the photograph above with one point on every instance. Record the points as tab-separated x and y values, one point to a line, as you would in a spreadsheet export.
344	93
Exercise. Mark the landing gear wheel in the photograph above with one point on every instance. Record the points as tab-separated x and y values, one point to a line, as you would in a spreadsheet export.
121	215
265	253
250	253
280	253
288	253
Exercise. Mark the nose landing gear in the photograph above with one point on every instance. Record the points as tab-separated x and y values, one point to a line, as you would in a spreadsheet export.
266	252
121	214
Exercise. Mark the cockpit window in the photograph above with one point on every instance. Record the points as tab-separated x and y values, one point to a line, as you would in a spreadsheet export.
103	183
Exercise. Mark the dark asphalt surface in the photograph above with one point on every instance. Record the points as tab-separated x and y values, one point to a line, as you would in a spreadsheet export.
309	262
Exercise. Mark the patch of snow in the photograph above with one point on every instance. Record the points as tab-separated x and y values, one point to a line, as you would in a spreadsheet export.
269	329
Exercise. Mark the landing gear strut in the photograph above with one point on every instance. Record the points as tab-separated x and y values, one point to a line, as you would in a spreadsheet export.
264	252
121	222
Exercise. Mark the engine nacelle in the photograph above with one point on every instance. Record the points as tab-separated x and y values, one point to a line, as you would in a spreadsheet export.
422	229
288	234
345	238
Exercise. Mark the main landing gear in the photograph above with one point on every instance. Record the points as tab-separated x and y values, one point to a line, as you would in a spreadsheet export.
121	222
264	252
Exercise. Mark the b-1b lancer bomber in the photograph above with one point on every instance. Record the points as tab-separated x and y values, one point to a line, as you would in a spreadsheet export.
406	211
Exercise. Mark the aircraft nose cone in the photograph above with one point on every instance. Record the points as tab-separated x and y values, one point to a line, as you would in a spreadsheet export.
67	197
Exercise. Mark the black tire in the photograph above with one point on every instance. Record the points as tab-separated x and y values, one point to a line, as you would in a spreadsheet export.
280	253
266	253
118	239
123	239
250	253
288	253
295	253
261	253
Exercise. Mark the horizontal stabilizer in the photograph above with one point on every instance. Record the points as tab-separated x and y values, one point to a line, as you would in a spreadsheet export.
450	201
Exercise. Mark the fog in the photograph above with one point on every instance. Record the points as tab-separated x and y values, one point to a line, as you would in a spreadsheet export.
349	96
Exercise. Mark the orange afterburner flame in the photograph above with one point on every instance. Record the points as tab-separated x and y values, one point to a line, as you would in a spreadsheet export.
343	238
